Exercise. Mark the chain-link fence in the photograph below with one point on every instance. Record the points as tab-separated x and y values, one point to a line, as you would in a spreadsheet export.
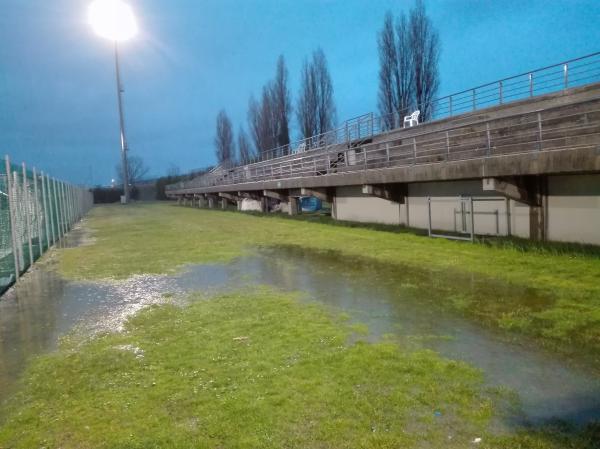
36	211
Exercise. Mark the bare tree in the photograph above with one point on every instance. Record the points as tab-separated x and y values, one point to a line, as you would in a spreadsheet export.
224	139
255	124
408	65
316	110
136	170
244	147
282	108
396	74
269	118
405	74
425	45
268	114
388	68
261	121
306	110
326	108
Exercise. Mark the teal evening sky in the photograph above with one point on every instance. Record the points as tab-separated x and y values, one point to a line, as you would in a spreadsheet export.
193	57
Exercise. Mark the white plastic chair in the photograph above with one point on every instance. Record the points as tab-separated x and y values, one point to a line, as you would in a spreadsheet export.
301	148
412	119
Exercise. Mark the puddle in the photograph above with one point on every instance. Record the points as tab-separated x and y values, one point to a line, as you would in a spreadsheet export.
34	315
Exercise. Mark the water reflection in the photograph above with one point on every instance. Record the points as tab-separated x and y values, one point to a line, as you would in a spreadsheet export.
403	301
32	318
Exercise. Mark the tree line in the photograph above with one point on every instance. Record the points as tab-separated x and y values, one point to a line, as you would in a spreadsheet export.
269	116
408	47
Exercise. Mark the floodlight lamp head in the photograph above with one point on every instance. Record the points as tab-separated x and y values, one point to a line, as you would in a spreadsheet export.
112	19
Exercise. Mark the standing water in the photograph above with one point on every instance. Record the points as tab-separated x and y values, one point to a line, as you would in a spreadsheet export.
404	302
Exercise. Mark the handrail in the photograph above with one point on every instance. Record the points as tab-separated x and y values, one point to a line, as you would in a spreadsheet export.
433	144
429	132
498	95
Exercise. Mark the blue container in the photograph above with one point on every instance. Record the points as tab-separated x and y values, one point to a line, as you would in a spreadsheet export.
310	204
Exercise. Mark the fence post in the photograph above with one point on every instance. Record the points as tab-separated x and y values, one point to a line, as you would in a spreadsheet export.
52	208
60	219
508	230
38	217
67	207
45	205
500	90
73	204
76	203
27	204
61	196
11	211
472	219
56	210
429	215
566	75
70	203
530	85
18	220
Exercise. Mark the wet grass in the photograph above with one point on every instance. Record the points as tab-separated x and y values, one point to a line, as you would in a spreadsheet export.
158	238
255	369
516	243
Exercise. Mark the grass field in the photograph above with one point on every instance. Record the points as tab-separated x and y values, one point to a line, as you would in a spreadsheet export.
255	370
259	369
159	238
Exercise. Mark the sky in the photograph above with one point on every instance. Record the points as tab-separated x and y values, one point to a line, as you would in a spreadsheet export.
58	107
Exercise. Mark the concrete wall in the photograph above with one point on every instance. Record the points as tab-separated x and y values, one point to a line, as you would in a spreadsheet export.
574	208
572	214
251	205
352	205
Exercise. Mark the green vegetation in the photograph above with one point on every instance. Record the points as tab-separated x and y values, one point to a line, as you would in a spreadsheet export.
517	243
564	286
251	370
258	368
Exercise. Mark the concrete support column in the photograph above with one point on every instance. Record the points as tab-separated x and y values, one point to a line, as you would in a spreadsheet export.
293	205
211	202
201	202
224	203
538	210
334	207
239	204
264	205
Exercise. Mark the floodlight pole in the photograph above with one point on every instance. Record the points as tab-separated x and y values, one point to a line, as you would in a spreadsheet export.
124	148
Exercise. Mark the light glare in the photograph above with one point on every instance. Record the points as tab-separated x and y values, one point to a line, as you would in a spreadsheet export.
112	19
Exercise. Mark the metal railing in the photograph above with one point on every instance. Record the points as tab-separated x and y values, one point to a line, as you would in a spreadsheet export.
36	211
567	74
552	129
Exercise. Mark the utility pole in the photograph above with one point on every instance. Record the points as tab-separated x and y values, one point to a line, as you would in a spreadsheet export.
124	147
